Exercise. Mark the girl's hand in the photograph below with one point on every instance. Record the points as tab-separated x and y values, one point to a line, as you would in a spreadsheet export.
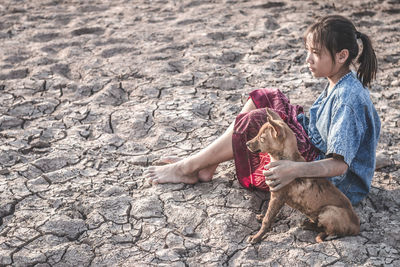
280	173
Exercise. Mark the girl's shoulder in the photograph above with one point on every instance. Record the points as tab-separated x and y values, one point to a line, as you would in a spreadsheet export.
349	90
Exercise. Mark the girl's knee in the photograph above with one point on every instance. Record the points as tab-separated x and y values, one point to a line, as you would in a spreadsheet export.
248	106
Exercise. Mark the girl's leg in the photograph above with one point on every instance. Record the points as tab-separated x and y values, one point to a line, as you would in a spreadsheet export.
200	166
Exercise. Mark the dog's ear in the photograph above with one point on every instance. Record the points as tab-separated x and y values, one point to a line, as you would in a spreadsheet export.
276	122
272	114
269	117
278	130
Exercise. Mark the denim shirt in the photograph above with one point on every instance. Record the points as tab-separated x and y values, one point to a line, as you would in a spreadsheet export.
345	122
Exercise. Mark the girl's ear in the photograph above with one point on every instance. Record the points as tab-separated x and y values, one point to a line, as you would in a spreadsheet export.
342	56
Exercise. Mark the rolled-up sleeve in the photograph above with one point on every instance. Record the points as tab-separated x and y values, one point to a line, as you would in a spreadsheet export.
345	133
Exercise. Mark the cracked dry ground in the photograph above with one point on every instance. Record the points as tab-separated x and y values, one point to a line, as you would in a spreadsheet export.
92	92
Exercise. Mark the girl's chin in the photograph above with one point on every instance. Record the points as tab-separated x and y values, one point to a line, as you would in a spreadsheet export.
315	75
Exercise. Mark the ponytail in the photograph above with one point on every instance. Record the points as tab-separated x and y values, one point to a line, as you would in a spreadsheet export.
368	63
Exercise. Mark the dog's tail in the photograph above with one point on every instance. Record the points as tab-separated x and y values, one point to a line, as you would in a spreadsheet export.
339	221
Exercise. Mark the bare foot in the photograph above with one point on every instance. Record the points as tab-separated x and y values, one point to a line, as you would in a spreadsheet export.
174	170
170	173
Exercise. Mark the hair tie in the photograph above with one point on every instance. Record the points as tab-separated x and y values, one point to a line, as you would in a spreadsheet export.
358	35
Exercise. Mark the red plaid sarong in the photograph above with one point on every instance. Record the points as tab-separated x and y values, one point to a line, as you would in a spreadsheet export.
249	166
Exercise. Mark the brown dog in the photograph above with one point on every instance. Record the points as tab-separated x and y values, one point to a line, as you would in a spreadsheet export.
329	211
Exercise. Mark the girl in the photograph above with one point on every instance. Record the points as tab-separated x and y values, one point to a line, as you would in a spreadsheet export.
338	138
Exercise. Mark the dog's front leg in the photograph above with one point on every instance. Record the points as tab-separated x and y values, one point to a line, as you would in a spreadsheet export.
274	207
260	217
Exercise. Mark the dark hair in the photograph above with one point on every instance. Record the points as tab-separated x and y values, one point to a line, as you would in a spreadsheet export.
337	33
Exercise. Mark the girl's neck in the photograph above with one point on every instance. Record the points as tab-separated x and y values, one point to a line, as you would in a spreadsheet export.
334	79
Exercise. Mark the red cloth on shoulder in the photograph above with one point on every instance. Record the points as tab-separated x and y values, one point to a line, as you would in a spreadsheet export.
249	166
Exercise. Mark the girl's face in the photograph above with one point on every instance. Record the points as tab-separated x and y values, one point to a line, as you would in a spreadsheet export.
319	60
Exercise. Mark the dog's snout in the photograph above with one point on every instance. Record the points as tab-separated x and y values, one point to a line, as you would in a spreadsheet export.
252	146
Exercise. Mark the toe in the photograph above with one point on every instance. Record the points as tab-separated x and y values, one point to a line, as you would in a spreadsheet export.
148	171
147	174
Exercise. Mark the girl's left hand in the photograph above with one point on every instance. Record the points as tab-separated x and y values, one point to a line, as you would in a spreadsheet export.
280	173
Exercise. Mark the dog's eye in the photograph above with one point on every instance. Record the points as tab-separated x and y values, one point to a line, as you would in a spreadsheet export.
262	137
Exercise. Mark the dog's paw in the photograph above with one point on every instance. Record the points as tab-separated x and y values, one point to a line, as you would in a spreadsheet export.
321	237
253	239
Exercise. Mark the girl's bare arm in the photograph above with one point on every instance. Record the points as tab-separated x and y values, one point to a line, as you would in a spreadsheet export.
282	172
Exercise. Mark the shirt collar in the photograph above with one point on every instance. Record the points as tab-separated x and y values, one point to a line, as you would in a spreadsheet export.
344	77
